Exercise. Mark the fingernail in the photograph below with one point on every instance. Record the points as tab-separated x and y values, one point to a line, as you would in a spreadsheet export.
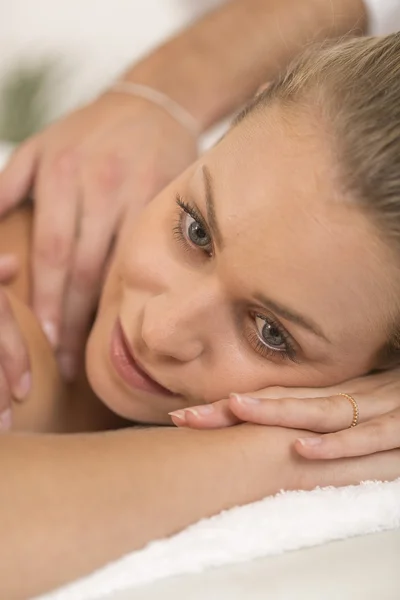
68	366
6	420
245	399
23	387
179	415
49	329
202	410
310	442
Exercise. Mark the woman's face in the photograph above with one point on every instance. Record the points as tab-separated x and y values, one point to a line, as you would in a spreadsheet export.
249	270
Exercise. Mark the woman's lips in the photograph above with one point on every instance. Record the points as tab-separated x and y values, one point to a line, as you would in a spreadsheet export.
127	368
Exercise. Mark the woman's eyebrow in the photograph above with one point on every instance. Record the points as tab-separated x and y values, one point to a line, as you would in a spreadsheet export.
210	204
291	315
283	311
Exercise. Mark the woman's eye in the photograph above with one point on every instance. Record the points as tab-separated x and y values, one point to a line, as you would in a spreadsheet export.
270	334
195	232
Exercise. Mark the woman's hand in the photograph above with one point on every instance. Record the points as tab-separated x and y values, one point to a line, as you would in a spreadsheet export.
319	410
15	376
83	172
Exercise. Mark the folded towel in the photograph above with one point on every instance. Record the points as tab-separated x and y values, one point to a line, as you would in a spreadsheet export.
287	521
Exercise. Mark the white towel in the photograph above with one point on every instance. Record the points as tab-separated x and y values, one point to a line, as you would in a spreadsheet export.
287	521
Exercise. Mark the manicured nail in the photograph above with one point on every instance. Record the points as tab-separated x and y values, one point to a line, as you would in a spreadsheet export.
49	329
310	442
202	410
179	416
6	420
68	366
23	387
245	399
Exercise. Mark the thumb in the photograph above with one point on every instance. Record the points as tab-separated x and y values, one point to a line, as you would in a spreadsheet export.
17	177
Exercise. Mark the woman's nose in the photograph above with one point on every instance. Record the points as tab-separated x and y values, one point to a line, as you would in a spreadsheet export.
177	327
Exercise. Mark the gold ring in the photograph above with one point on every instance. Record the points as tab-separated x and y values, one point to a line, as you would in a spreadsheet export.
356	412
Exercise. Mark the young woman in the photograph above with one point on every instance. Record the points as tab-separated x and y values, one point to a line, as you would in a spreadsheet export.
273	260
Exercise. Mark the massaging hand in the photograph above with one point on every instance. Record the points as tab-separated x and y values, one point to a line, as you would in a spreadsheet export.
83	172
14	360
319	410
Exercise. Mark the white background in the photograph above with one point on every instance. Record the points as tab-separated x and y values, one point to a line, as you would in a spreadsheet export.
92	40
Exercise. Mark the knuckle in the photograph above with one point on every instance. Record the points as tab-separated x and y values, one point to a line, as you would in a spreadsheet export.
65	162
109	172
54	249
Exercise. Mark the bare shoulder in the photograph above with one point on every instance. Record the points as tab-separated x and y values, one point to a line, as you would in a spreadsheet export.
41	410
52	406
16	238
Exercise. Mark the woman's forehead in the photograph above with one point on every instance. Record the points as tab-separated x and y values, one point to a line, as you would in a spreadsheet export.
287	232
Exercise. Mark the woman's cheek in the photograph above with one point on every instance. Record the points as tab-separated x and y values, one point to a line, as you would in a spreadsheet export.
234	371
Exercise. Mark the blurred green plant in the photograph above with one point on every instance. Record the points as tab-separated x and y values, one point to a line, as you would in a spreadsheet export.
25	101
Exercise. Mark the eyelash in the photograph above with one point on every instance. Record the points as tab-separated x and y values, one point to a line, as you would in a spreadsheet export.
289	353
185	208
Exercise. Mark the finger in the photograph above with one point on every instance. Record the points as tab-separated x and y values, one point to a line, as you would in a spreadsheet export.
8	267
219	414
5	404
56	198
322	415
377	435
276	392
102	181
205	416
14	358
17	177
84	287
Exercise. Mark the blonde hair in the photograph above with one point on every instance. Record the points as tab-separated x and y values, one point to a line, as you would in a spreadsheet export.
355	85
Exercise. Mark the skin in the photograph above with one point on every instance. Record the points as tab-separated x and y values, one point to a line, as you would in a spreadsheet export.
52	405
190	317
87	169
119	507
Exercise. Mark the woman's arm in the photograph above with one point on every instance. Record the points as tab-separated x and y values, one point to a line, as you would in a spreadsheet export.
327	411
72	503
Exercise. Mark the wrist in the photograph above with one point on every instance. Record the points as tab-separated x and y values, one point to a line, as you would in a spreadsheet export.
157	98
184	71
135	106
269	461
